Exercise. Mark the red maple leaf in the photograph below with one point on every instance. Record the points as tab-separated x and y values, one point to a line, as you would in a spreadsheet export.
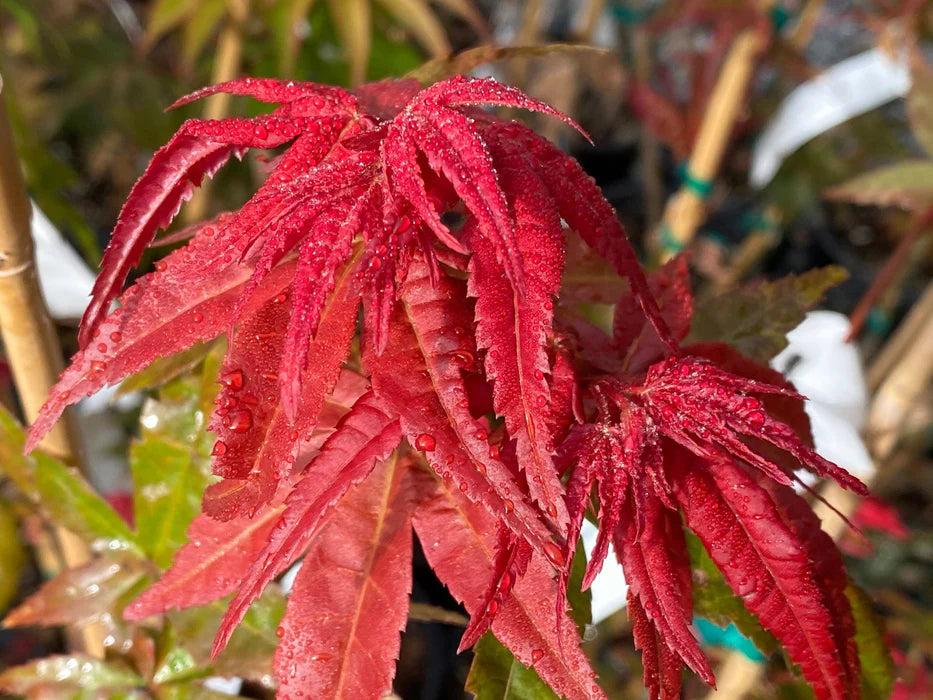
321	463
708	433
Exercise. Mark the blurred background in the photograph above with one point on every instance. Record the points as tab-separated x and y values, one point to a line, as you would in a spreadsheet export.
766	138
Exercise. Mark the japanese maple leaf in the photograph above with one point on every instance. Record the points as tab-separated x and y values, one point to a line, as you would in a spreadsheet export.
351	218
708	433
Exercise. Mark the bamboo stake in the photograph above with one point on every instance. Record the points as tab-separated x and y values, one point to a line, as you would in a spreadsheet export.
685	211
227	65
902	340
32	347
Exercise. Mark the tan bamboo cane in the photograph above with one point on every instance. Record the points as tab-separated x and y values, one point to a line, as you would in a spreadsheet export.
32	348
685	211
227	64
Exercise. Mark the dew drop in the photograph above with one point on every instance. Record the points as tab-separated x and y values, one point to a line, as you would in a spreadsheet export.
233	380
278	299
553	554
509	506
492	607
102	347
220	449
552	510
425	442
280	631
161	266
536	655
198	317
239	421
481	434
116	336
539	374
293	435
540	400
464	357
260	131
98	366
756	419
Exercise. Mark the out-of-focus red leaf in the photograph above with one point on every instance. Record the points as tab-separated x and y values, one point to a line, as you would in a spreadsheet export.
210	566
769	567
341	630
458	539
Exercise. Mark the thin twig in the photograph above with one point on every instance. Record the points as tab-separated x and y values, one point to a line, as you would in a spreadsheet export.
919	226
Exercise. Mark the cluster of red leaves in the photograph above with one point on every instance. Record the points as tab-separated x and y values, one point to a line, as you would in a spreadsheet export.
321	463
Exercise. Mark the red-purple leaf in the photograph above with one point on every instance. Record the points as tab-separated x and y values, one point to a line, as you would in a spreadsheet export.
515	330
657	570
256	440
636	341
210	566
340	633
163	313
767	565
458	538
420	377
366	435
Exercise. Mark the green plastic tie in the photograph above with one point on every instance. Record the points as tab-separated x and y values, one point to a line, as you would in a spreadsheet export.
700	187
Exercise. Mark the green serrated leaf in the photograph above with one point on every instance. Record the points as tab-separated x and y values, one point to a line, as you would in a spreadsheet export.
20	470
167	488
73	504
497	675
13	557
581	602
74	672
713	600
920	104
177	665
756	318
249	652
908	185
873	654
61	492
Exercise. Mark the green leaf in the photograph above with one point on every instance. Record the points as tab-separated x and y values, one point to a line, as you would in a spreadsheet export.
81	594
167	488
12	556
200	26
249	652
20	470
177	665
56	674
908	185
581	602
497	675
713	600
873	655
188	691
920	104
167	14
73	504
756	318
61	492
